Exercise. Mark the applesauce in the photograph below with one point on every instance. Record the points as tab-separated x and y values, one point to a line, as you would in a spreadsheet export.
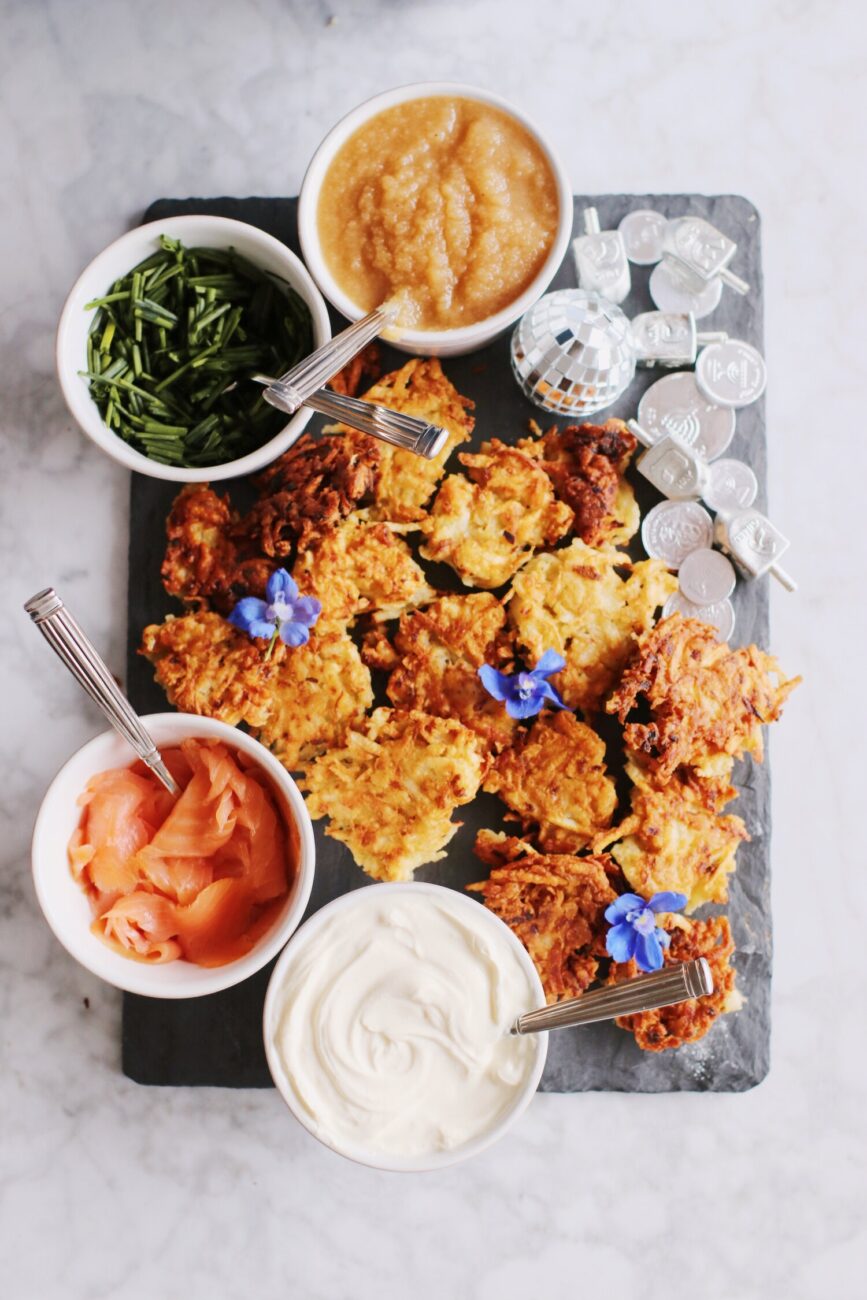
447	204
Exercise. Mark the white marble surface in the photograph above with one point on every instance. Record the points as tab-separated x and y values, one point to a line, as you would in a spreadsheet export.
110	1190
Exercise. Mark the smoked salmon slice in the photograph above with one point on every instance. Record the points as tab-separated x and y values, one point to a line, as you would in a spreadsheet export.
201	875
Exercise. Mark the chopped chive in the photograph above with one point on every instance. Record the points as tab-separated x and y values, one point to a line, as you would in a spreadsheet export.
169	342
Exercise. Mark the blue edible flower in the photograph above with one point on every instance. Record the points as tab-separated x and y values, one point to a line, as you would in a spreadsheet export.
283	613
634	932
524	693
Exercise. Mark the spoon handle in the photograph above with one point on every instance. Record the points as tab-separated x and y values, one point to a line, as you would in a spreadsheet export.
407	431
689	979
314	372
70	644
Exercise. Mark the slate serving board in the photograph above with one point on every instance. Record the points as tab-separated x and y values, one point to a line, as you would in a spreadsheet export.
216	1040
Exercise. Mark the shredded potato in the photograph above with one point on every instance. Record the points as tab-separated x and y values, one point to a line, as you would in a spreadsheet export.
390	790
490	524
553	778
576	602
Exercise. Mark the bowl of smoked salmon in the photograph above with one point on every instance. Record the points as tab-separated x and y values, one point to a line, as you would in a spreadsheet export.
174	895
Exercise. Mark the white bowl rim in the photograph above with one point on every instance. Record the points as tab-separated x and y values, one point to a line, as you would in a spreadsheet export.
132	975
76	392
435	1160
309	196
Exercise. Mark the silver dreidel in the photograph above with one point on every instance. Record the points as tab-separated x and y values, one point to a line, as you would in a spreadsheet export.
701	252
673	467
754	544
668	338
600	260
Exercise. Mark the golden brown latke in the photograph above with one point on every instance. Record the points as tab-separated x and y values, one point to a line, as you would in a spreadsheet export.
685	1022
209	560
705	699
313	486
553	777
672	841
390	789
360	567
586	463
318	691
488	525
437	654
575	601
206	666
406	482
554	903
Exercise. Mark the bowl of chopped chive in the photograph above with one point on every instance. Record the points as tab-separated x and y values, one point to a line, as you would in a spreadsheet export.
159	337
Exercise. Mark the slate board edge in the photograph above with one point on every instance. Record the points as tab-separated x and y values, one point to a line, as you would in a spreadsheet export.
154	1055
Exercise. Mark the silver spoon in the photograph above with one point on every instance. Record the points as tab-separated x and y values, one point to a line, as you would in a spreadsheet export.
663	988
70	644
406	431
313	372
304	385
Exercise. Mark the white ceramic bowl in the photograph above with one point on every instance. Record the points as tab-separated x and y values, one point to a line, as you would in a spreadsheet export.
437	343
262	250
273	1006
67	908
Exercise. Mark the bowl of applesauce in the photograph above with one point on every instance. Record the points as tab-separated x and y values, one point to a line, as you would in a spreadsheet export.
443	199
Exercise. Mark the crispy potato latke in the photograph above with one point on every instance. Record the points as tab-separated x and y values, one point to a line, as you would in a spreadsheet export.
575	601
705	699
319	690
672	841
406	482
360	567
390	790
554	903
487	526
553	778
586	463
207	666
438	651
313	486
685	1022
209	560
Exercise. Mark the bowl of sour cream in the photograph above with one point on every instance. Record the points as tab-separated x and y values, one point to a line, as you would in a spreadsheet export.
387	1021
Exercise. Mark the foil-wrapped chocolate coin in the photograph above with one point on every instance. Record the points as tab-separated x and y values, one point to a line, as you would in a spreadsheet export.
673	529
720	615
675	405
706	577
670	291
643	232
730	485
731	374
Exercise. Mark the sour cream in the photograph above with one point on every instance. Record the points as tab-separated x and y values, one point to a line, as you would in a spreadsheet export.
391	1023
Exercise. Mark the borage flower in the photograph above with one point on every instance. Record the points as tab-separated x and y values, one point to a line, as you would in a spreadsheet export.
283	613
634	932
524	693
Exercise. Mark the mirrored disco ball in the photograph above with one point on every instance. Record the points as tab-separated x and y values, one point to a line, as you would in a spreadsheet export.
573	352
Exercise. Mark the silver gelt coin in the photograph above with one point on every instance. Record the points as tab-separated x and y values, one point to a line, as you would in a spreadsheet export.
730	485
673	529
674	405
643	232
721	615
731	373
671	292
706	577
